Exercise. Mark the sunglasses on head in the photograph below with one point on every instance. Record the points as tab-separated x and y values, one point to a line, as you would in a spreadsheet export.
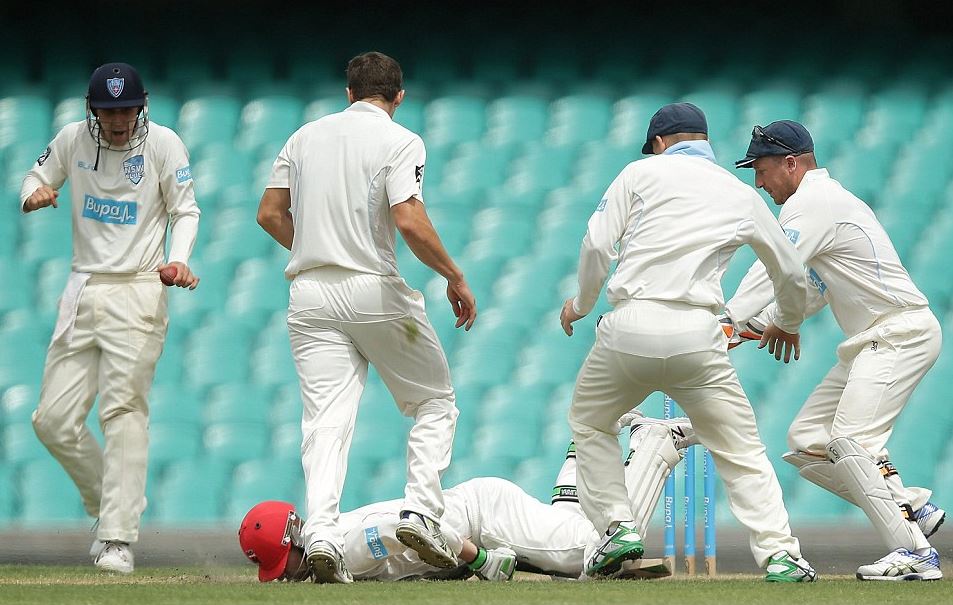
758	133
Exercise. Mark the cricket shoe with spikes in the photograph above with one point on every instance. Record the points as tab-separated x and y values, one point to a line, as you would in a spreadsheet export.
624	544
782	567
902	564
423	535
327	564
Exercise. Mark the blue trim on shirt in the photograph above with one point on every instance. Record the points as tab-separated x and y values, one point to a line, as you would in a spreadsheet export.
699	149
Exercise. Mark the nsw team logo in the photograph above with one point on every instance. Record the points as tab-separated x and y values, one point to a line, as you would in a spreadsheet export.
114	86
134	168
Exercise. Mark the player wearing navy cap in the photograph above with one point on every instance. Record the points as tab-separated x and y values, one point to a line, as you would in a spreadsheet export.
130	181
838	439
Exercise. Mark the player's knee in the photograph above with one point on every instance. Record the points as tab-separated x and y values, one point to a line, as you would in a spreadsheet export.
47	429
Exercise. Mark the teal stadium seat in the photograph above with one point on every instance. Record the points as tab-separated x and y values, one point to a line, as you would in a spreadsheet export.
286	406
552	357
453	120
8	496
217	353
516	119
258	290
48	496
575	119
22	358
51	279
25	120
599	164
528	287
537	476
164	109
719	100
543	166
272	362
171	403
237	402
191	492
216	167
257	480
17	404
236	441
267	122
21	445
507	231
476	165
210	119
631	115
173	442
70	109
319	108
410	114
48	234
286	440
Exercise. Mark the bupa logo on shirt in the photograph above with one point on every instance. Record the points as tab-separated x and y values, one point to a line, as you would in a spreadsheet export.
793	235
816	281
602	204
110	211
134	168
183	174
373	537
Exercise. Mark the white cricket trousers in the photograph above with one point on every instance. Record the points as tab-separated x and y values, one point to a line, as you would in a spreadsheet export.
647	346
338	322
116	339
862	396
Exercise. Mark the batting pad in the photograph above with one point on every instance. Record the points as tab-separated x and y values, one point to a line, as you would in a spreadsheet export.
857	470
819	471
652	458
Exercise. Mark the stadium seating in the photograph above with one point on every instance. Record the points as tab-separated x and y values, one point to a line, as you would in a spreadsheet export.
519	153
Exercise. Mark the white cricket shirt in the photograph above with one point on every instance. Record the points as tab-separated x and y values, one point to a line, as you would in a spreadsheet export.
121	211
345	171
677	220
849	258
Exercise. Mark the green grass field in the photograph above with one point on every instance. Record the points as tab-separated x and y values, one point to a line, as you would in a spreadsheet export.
166	585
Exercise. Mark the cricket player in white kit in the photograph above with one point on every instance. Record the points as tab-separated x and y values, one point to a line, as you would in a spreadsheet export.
673	222
492	525
130	179
838	439
339	188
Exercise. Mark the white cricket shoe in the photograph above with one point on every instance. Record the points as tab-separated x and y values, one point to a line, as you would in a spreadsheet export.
930	517
116	557
423	535
96	548
782	567
902	564
499	565
327	564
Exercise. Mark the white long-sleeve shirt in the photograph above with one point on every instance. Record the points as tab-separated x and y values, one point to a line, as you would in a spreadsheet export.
122	210
677	220
345	171
849	259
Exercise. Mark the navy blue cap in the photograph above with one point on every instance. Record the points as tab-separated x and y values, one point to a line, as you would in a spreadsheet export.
673	119
115	85
784	137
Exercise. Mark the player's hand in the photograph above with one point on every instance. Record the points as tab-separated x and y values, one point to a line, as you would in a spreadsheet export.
41	198
568	316
463	303
184	278
777	339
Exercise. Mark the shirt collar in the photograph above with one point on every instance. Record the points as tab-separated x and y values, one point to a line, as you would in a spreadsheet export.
366	107
700	149
817	173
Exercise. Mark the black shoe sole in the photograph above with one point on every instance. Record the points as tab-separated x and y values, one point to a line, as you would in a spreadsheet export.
409	538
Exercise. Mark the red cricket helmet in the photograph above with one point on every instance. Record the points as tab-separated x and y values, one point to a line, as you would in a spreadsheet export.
267	534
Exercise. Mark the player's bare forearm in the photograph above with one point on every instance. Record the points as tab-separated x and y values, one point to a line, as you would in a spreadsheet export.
274	216
422	239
